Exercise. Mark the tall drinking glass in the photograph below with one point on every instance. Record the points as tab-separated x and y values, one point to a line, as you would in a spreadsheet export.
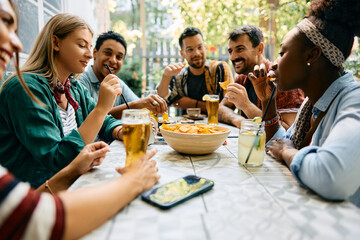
212	107
136	132
247	137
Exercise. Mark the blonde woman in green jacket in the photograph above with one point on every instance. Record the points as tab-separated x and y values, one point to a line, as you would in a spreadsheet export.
39	140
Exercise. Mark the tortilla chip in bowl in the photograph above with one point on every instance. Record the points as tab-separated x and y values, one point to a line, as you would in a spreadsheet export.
194	139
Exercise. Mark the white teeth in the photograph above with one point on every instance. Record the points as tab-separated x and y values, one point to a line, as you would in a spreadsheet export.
5	57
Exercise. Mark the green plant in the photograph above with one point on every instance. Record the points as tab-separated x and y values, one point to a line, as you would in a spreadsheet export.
155	75
353	63
131	74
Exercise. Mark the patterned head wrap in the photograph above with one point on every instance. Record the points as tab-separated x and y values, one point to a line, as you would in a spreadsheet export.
330	51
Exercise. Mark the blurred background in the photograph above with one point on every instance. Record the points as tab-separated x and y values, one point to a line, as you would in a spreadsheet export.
151	28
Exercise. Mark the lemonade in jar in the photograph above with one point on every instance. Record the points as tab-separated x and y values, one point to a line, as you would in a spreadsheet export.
247	137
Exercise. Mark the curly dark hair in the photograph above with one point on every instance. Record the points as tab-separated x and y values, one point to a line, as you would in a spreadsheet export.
110	35
338	21
254	33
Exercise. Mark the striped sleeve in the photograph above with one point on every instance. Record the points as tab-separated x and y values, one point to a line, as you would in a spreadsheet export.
26	214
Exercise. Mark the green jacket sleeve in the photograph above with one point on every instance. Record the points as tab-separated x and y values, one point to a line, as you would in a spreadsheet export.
87	104
39	128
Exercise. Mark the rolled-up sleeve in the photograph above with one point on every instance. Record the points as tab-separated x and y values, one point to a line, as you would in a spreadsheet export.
332	170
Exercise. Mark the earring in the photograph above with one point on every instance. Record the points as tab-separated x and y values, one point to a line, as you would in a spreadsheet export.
308	64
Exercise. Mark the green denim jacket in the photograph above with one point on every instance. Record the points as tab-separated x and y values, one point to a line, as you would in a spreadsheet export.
32	143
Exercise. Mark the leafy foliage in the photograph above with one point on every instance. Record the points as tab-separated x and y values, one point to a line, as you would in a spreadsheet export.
216	18
131	74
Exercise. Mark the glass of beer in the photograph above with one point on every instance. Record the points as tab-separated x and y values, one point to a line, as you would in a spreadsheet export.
136	133
212	107
247	138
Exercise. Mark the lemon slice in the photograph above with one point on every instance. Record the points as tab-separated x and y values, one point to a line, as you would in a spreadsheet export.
206	97
257	120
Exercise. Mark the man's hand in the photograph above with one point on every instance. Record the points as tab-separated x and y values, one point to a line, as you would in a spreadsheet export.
173	69
237	95
153	102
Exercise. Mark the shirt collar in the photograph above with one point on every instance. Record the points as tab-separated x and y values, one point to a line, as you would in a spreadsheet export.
325	100
93	77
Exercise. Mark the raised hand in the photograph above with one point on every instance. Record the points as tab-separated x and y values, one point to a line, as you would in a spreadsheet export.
110	89
259	79
173	69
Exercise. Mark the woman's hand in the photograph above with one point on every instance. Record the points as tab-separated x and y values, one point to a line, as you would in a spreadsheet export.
283	150
92	155
259	79
143	171
110	89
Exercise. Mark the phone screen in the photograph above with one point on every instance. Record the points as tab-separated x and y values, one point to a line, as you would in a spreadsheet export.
177	191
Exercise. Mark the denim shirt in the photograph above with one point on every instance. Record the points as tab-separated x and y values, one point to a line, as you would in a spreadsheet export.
330	165
91	82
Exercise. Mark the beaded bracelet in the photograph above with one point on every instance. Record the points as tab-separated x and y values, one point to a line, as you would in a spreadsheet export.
272	121
47	186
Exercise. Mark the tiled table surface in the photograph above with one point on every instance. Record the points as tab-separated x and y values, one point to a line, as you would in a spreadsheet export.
245	203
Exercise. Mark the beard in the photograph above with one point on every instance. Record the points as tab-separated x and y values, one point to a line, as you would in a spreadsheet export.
199	64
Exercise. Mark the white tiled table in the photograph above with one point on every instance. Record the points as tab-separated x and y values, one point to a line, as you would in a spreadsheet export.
245	203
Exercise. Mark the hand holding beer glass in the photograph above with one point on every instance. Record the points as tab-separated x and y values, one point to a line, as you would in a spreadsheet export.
212	107
136	133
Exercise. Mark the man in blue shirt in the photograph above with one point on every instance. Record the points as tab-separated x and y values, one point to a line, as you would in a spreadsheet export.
110	49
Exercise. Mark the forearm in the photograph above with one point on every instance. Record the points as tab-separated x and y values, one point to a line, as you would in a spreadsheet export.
96	204
186	102
60	181
163	88
271	113
228	116
288	155
251	111
92	125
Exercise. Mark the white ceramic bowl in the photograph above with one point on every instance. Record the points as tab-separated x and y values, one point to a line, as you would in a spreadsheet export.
195	144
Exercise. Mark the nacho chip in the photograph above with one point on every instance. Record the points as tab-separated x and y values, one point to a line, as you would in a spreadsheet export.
225	84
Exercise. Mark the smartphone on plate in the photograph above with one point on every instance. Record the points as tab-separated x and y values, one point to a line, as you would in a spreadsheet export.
177	191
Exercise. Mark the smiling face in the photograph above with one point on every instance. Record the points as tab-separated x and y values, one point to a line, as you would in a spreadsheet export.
292	71
9	41
243	55
111	52
194	51
73	53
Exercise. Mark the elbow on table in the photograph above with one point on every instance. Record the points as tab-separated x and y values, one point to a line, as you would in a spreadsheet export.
334	190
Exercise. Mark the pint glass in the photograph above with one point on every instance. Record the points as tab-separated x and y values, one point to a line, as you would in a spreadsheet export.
212	106
136	132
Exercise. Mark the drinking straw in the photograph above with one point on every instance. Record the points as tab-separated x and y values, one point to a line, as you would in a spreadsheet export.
262	119
127	105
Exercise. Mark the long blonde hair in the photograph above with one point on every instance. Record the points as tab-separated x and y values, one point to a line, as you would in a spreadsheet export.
41	60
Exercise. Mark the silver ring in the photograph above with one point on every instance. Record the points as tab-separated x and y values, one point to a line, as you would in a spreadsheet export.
154	103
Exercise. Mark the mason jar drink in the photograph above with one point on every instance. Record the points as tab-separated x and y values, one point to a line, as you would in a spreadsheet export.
212	107
247	137
136	132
